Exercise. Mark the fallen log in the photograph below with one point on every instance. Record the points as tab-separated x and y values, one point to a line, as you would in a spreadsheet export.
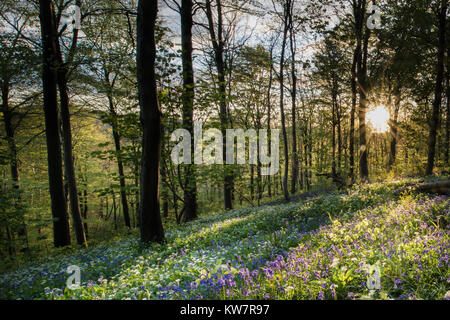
441	187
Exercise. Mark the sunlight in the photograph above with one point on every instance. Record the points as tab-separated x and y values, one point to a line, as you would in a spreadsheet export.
379	119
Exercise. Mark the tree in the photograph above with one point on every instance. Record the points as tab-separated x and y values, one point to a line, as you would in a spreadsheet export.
12	75
362	39
356	56
330	71
61	232
394	127
442	18
287	7
250	82
217	40
447	123
190	184
62	79
17	100
111	68
149	210
269	107
295	164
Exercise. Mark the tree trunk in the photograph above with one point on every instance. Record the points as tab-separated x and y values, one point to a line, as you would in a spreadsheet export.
190	185
310	152
287	6
447	125
114	209
259	186
68	155
85	211
434	124
218	47
117	145
269	117
252	182
62	79
9	130
353	113
294	176
394	129
306	150
136	193
150	218
339	136
441	187
100	209
362	79
333	124
359	18
61	232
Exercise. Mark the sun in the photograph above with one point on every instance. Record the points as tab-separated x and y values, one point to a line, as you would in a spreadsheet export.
379	119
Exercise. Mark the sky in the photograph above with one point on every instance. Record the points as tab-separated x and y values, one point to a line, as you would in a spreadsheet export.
257	29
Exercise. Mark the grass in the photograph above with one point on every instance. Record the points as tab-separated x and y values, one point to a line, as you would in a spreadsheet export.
319	248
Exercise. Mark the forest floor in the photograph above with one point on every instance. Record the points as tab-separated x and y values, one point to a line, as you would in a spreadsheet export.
317	246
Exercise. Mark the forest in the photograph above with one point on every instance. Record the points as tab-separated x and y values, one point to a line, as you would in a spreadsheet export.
224	150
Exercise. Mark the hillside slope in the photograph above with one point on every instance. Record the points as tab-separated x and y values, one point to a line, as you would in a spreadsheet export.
317	248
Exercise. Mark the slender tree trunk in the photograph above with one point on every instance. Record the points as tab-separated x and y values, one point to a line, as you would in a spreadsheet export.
333	124
150	218
333	146
310	152
85	211
394	129
117	145
287	6
295	165
269	116
84	201
164	190
218	47
68	154
82	196
356	56
259	186
114	210
136	194
434	124
301	148
190	185
306	150
252	182
101	212
339	136
302	175
447	125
